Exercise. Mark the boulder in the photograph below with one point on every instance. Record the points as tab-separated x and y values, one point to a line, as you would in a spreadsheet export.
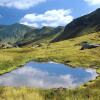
86	45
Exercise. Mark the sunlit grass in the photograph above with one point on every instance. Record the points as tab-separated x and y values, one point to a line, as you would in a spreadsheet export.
9	93
67	52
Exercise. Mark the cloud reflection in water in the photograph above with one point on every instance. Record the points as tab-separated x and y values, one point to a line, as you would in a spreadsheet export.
36	77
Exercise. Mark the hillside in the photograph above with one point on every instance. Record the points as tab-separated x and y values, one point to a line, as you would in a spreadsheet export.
12	33
66	52
19	34
81	26
42	35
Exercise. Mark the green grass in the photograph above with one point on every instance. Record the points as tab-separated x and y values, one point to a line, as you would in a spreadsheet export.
9	93
67	52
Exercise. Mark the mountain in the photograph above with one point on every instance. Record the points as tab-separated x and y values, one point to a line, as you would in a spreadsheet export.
83	25
19	34
40	35
12	33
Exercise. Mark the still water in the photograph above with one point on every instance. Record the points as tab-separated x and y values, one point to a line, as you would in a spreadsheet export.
47	75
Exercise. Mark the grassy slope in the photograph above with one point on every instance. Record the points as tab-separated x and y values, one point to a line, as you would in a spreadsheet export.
63	52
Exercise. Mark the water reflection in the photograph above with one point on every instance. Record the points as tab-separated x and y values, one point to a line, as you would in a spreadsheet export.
47	75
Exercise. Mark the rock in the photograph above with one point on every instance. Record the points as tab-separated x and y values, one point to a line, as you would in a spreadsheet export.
37	45
86	45
5	46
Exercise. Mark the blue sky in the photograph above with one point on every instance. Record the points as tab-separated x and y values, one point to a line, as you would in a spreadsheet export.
44	12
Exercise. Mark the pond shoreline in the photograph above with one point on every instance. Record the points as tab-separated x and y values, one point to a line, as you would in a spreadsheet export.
49	61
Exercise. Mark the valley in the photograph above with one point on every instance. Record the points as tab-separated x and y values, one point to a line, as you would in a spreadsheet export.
57	47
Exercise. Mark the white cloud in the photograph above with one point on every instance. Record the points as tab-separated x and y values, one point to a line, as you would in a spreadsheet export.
93	2
92	73
20	4
51	18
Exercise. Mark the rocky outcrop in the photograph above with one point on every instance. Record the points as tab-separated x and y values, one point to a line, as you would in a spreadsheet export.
5	46
86	45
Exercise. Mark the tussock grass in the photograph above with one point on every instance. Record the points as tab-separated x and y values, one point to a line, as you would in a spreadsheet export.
67	52
9	93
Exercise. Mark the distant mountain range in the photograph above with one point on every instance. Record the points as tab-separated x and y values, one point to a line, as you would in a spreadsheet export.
19	34
42	35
